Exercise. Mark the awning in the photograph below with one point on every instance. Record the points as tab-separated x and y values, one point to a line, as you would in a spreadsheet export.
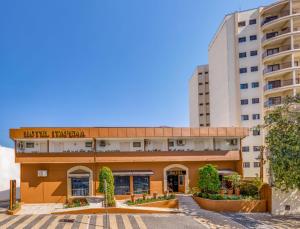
226	172
133	173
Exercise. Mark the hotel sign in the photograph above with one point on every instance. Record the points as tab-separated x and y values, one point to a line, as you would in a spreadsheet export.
54	134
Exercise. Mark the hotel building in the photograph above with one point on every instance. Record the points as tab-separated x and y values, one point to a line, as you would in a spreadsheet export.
253	65
60	163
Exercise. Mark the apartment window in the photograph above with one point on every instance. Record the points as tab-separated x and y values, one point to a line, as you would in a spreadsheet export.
255	100
29	144
242	54
201	125
256	116
206	93
242	39
253	37
200	84
242	23
207	113
255	84
206	82
256	164
88	144
244	101
207	103
137	144
254	68
207	124
201	114
245	148
246	164
200	73
201	104
244	86
256	148
200	93
245	117
253	53
243	70
256	132
252	21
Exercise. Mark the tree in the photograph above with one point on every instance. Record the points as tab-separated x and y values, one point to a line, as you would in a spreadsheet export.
209	179
282	127
106	174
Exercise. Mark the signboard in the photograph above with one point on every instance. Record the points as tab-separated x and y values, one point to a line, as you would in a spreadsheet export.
42	173
53	134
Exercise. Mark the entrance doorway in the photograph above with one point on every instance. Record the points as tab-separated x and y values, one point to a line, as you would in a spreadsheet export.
176	180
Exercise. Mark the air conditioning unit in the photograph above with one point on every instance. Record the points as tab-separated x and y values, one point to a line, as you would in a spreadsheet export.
180	142
102	143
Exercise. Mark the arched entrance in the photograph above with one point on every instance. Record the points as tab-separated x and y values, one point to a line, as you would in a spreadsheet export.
80	181
176	178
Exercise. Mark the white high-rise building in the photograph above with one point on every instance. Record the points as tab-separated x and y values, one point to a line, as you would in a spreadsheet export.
253	64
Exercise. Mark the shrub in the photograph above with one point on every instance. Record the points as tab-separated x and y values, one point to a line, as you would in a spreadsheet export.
249	189
234	179
106	174
209	179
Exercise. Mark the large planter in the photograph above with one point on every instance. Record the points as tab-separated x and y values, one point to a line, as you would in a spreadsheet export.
232	205
160	204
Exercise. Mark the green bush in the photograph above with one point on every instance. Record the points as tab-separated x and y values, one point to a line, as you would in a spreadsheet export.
234	179
106	174
152	199
209	179
218	196
248	189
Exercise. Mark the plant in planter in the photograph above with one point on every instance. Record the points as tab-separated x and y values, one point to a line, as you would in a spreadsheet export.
222	191
106	174
145	195
208	181
132	197
155	195
235	180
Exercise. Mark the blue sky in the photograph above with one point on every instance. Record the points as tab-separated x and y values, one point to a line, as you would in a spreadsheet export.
103	62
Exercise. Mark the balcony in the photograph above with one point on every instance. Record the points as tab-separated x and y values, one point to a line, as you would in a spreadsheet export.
278	67
279	50
272	35
272	102
269	19
280	84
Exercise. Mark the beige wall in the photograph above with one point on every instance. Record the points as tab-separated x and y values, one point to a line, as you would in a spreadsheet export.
281	199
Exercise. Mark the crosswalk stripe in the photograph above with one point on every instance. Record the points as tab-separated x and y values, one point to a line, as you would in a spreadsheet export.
41	222
27	221
69	225
17	218
84	222
55	221
140	222
126	221
113	222
99	221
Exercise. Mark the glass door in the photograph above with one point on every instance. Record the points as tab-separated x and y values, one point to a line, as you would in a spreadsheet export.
80	186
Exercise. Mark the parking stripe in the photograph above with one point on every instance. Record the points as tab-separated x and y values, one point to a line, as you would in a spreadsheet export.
99	221
25	222
34	222
84	222
11	221
140	222
126	222
54	222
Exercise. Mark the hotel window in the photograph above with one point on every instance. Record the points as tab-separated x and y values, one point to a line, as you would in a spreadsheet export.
137	144
201	114
256	132
29	144
246	164
253	37
206	72
201	104
253	53
255	84
122	185
244	101
256	164
242	23
242	39
252	21
254	68
243	70
256	116
171	144
207	124
244	86
200	83
255	100
141	184
245	148
200	73
88	144
242	54
200	93
245	117
256	148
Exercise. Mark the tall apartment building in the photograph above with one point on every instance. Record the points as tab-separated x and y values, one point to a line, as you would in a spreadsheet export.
199	97
253	64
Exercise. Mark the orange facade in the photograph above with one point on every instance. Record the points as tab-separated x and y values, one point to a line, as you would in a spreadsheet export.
55	186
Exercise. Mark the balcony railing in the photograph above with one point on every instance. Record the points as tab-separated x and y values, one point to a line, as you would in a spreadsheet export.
283	83
276	51
278	67
280	15
276	34
271	103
